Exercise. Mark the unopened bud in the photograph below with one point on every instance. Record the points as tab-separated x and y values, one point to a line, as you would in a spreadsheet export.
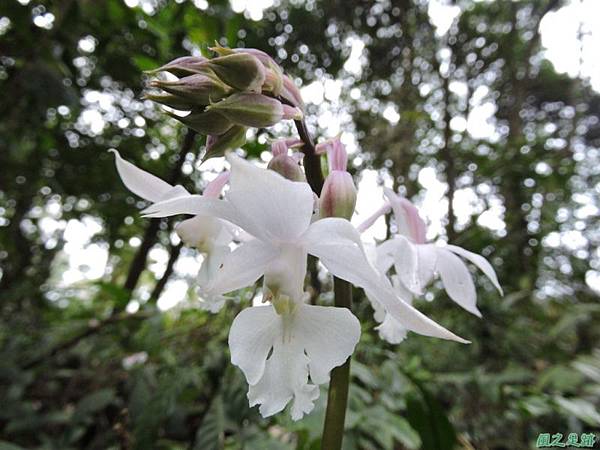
181	67
287	166
234	138
338	196
254	110
198	89
241	71
291	93
208	122
170	100
274	80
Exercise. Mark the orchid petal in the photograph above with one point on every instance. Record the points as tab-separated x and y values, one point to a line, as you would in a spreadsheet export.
337	244
480	262
285	378
251	338
309	341
203	232
140	182
407	217
211	263
269	206
196	205
329	335
390	330
406	263
427	258
242	267
457	280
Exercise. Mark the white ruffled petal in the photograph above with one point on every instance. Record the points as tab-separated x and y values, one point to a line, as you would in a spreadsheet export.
480	262
140	182
269	206
457	280
337	244
251	338
391	330
242	267
285	378
329	336
308	342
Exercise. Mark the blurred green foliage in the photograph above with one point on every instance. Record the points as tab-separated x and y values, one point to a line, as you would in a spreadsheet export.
79	371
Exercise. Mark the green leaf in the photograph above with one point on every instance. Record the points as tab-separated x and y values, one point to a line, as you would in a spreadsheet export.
94	402
210	434
426	416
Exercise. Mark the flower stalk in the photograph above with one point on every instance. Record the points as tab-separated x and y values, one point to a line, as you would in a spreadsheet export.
337	397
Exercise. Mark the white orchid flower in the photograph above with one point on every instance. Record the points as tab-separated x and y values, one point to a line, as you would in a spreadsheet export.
389	329
416	262
303	341
209	235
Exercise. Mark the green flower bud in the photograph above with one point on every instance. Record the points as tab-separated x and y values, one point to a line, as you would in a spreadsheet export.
208	122
254	110
234	138
198	89
241	71
170	100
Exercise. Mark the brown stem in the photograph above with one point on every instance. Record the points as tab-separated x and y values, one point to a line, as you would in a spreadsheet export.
312	162
94	327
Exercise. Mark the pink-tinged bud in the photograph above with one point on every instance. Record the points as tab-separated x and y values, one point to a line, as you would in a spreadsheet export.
241	71
407	217
208	122
338	196
291	93
214	188
281	146
287	166
181	67
273	83
218	145
337	157
292	113
198	89
253	110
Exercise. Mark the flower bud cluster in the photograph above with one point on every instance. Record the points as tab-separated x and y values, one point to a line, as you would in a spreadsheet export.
226	94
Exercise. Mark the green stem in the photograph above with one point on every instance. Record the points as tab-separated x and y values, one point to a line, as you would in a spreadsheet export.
337	398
